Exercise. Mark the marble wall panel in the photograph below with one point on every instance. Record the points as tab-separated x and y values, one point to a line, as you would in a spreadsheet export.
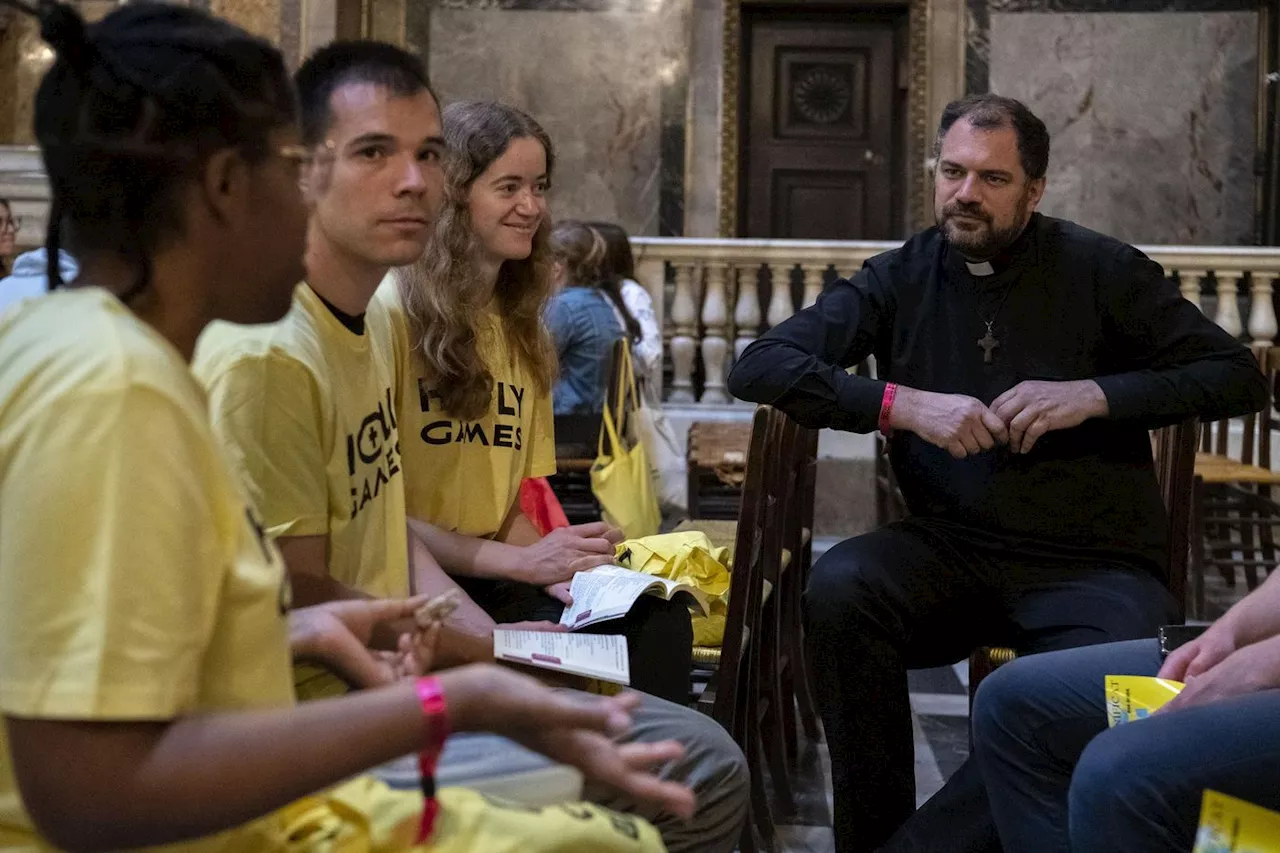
24	57
978	22
702	170
260	17
1150	114
608	80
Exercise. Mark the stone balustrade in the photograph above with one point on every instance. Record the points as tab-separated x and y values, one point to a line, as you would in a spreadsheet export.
714	297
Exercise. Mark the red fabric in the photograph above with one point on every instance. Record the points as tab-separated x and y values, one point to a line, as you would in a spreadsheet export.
541	505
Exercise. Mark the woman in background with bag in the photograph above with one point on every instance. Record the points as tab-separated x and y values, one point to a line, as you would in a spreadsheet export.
585	320
649	422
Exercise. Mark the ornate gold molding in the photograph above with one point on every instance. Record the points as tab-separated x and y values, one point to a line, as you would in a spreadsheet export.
918	202
918	205
729	100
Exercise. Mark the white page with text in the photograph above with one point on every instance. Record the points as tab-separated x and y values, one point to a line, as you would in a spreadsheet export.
602	656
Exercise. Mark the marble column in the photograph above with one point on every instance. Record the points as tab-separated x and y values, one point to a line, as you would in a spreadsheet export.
260	17
702	169
24	58
387	20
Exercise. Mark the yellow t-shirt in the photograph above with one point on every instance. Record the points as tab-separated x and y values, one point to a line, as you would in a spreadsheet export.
134	583
304	410
465	475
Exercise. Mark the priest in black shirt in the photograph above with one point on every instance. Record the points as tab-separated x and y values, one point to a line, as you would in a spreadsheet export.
1022	361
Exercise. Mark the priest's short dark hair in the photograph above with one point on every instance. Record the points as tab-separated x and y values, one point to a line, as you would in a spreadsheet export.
989	112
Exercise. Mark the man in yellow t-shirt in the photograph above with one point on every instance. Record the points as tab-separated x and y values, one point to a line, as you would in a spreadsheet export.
304	409
305	406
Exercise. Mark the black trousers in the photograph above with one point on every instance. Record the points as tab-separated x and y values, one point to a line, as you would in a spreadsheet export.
659	633
919	594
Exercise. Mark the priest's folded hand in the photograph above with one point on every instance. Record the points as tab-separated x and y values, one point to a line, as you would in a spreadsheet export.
959	424
1032	408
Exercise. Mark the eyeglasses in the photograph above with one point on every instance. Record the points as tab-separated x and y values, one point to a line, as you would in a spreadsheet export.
302	156
299	155
12	223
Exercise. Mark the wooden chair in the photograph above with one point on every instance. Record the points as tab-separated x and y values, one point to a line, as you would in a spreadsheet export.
1233	507
1174	453
779	681
734	683
889	503
798	539
716	456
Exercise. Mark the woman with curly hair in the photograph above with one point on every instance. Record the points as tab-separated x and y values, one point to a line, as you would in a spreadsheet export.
476	395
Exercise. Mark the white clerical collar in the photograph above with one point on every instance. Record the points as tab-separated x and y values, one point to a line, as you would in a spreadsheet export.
983	269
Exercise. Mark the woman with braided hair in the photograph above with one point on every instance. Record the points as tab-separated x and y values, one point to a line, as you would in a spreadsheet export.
145	635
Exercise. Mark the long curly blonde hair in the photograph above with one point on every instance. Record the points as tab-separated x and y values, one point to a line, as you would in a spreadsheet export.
444	292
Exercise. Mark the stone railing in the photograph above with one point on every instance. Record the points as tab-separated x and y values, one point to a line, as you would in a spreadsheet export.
714	297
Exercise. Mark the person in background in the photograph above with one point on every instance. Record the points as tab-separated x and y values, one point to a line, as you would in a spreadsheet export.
9	225
475	421
1060	781
145	688
30	275
583	321
618	280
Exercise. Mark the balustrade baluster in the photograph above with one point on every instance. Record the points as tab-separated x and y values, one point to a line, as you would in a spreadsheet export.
651	272
780	305
715	343
746	312
1189	284
813	274
685	317
1228	313
1262	309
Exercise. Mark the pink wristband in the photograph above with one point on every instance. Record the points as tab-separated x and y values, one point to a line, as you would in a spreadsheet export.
435	716
886	407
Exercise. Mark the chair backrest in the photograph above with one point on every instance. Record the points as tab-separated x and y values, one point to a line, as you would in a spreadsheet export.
756	519
1255	427
1175	458
807	475
782	485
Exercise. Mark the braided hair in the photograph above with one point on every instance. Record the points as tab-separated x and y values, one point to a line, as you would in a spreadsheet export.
136	104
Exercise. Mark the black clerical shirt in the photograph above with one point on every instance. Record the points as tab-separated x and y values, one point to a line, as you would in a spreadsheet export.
1064	303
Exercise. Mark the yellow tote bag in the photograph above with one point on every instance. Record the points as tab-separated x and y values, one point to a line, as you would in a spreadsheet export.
621	478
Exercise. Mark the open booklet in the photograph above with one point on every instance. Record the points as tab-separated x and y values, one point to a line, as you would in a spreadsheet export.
610	591
602	656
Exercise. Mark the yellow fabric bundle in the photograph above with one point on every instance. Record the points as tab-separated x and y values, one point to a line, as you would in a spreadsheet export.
686	557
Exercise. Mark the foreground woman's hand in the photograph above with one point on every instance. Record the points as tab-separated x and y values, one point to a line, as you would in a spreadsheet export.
574	730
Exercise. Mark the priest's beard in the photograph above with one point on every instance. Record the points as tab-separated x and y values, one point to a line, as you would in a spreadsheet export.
986	240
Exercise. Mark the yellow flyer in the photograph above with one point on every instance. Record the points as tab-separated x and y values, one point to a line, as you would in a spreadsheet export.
1134	697
1228	825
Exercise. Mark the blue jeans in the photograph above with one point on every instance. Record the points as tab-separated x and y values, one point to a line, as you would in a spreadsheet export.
1059	780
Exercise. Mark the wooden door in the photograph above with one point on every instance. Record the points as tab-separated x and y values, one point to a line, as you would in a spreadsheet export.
820	100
